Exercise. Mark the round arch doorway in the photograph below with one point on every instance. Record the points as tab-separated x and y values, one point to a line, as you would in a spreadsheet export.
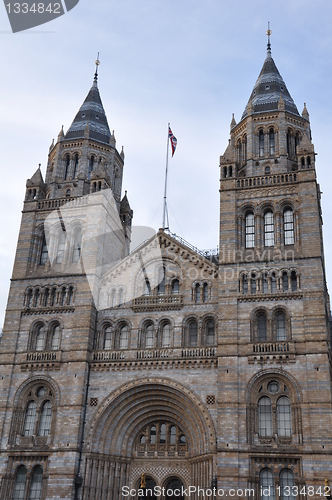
149	492
173	489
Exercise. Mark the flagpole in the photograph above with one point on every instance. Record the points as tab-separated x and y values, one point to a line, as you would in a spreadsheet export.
165	190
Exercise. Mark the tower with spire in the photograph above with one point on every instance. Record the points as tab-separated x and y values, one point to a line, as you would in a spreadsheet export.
274	308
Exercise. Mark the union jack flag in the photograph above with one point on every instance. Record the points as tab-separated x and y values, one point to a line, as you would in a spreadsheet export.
173	140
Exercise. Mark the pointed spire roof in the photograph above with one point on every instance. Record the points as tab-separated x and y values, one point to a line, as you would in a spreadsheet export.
91	115
269	87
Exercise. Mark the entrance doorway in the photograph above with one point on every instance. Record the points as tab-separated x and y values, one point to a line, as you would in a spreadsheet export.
173	489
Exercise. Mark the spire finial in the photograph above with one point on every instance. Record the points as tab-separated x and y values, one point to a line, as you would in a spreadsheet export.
97	62
269	33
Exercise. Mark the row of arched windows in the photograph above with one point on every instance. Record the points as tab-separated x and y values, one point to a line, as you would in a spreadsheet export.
44	338
161	436
268	228
272	327
28	489
49	296
268	487
268	282
266	142
152	336
71	169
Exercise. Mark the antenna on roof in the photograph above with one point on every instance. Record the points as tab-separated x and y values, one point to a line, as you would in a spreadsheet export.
96	72
269	33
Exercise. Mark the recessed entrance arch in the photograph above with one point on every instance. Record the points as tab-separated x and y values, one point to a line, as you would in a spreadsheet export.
146	410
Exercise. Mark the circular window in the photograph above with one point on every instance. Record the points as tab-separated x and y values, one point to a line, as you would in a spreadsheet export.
41	392
273	387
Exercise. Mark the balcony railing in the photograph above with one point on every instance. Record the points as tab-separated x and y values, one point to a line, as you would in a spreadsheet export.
266	180
157	302
274	347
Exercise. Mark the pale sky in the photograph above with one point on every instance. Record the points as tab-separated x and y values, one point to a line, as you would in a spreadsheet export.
188	62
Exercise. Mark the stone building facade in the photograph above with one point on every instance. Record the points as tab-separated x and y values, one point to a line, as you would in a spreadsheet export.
192	369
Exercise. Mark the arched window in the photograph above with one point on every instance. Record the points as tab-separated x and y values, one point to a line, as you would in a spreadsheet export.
20	483
161	281
266	483
289	143
172	439
75	166
67	167
289	227
297	141
175	286
308	161
261	143
271	140
28	298
153	435
56	335
30	419
149	336
273	283
280	320
91	163
261	327
265	416
77	245
36	298
45	419
63	296
108	337
268	229
253	284
61	247
250	230
286	484
245	284
162	438
205	292
45	297
265	282
147	287
197	292
40	338
210	335
123	338
294	281
53	297
36	484
166	335
121	297
70	295
245	149
44	252
302	162
285	281
193	332
284	416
